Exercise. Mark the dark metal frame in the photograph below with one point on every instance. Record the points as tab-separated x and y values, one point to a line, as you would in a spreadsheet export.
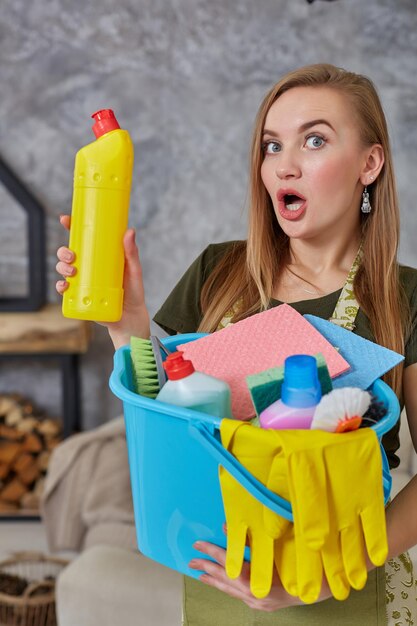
36	297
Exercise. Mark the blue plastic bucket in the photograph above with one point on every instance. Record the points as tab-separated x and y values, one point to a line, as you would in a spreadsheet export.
174	456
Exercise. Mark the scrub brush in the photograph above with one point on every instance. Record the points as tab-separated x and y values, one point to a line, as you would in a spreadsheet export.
147	369
341	410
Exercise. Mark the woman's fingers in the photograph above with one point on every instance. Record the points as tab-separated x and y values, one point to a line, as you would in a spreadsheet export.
65	257
133	279
65	269
61	286
215	552
226	586
129	242
65	254
65	220
132	260
215	574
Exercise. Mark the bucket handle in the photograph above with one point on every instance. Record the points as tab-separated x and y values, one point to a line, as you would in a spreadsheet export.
279	505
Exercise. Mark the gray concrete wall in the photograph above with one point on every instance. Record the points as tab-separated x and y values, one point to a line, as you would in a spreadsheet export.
185	77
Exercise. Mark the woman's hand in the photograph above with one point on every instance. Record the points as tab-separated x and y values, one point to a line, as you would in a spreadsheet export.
65	259
135	316
239	588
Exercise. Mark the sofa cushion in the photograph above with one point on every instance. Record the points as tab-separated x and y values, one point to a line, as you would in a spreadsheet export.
111	586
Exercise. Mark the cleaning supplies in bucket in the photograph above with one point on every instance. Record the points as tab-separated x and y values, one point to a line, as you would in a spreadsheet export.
300	394
174	458
187	388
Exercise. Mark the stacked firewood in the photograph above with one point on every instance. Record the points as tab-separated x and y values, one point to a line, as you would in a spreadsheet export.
27	438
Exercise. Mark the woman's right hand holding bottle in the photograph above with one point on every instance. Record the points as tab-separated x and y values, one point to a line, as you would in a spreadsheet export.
135	317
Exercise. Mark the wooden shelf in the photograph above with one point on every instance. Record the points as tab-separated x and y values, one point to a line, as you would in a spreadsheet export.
43	332
47	334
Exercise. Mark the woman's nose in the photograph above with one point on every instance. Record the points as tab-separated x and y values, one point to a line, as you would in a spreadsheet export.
287	166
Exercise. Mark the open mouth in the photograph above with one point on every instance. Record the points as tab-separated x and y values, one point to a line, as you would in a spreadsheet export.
293	202
291	205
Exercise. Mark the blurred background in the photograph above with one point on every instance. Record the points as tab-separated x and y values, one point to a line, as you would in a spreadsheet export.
185	77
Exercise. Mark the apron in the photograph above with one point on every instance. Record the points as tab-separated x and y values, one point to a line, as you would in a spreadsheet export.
389	596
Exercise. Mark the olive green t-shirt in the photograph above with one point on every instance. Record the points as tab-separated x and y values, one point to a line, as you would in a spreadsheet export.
181	313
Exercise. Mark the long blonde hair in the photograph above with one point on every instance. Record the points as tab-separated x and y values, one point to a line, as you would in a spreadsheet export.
250	269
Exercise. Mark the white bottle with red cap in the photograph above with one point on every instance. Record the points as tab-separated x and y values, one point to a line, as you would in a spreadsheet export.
195	390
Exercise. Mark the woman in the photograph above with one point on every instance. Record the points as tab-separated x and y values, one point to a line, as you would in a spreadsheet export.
323	237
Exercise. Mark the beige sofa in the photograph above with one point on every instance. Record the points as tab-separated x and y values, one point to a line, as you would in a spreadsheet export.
108	585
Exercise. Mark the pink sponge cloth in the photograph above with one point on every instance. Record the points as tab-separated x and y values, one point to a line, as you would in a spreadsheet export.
256	344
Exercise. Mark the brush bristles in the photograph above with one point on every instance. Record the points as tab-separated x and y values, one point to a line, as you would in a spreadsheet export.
339	406
145	373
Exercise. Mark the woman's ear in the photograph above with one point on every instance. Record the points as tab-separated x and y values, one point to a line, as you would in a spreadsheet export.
373	164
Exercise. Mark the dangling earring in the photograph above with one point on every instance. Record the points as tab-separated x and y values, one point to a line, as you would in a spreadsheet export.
366	205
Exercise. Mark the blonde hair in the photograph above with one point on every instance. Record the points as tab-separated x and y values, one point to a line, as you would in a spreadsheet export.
250	269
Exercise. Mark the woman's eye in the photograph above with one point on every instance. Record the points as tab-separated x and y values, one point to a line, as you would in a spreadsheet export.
315	141
271	147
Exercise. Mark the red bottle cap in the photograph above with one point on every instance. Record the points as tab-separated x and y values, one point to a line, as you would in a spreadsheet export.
104	122
177	367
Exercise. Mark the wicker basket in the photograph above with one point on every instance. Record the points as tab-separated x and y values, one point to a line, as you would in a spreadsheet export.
36	605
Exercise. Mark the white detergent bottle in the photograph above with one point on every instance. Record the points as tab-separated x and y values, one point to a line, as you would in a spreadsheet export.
194	390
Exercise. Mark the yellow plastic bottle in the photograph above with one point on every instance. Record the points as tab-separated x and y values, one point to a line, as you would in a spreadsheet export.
100	208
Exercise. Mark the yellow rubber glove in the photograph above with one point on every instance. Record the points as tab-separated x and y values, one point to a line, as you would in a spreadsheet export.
299	567
287	552
335	488
334	484
255	449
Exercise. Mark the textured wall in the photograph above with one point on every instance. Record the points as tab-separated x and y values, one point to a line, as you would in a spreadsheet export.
185	78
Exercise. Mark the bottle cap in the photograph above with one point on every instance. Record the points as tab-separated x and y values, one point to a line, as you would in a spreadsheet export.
177	367
301	387
104	122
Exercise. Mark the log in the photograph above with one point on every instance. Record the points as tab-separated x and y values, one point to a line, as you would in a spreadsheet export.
6	405
27	408
49	427
13	491
32	443
14	416
12	434
4	470
9	451
27	424
29	474
22	462
52	443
